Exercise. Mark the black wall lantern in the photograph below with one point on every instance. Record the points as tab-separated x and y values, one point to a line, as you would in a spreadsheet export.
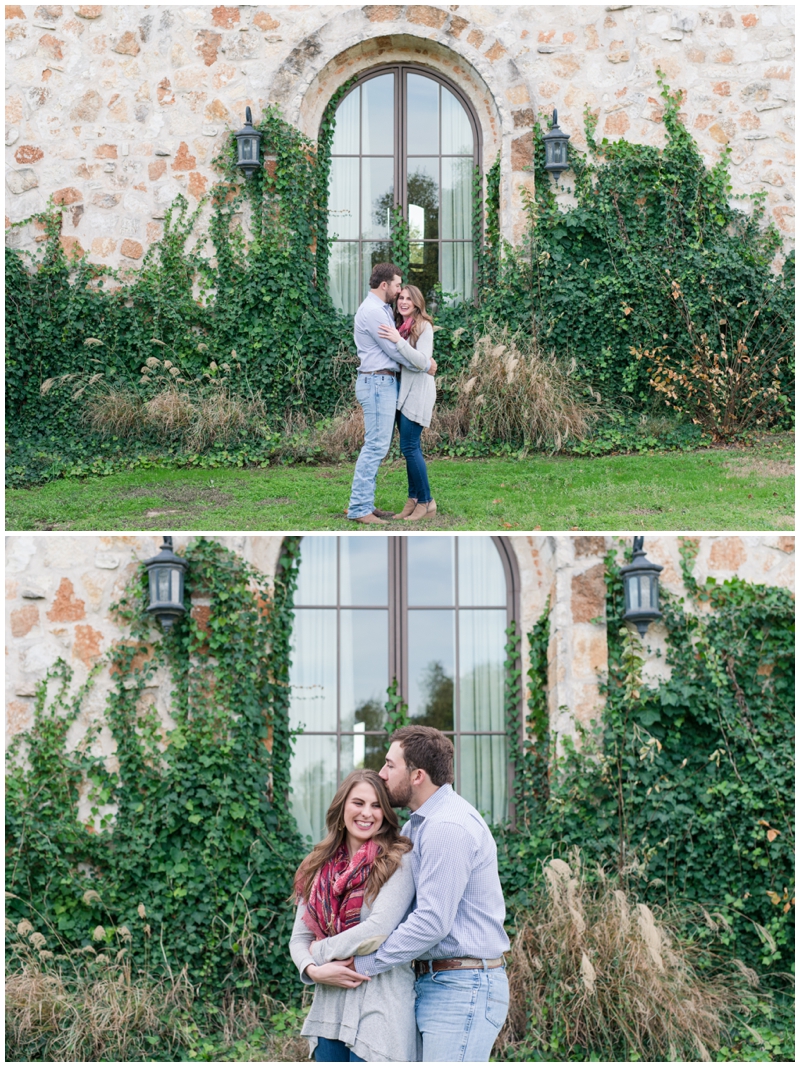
640	580
166	572
555	149
248	141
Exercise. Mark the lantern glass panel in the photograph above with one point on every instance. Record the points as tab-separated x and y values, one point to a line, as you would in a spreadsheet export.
162	584
654	591
247	148
634	602
644	584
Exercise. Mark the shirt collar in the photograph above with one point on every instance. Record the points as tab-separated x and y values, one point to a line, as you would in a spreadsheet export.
433	802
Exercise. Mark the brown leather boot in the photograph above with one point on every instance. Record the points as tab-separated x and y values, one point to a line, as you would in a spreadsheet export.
409	506
422	511
371	520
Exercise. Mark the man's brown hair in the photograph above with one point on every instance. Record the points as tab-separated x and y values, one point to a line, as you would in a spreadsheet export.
383	272
427	749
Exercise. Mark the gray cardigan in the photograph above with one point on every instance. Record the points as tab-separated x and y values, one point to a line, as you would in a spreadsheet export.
376	1019
417	389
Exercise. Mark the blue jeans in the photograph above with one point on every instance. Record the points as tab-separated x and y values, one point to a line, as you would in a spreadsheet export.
329	1051
377	395
410	433
460	1014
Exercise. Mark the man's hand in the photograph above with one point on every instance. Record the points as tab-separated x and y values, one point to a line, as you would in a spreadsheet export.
432	368
339	973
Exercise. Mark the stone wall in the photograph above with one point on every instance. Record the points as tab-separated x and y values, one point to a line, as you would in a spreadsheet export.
59	589
114	110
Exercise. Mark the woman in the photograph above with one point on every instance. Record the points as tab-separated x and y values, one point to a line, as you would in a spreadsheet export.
352	890
416	399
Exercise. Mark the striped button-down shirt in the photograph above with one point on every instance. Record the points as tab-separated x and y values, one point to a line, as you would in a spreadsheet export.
460	908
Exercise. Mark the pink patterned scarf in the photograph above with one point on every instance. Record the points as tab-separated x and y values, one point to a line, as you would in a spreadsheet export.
405	328
337	892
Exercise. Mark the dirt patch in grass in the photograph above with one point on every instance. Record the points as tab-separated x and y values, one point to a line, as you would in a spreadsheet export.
180	494
754	466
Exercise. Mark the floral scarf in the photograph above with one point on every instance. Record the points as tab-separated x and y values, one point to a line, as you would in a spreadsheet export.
337	892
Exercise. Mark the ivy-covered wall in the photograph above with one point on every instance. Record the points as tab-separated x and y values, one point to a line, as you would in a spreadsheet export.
115	109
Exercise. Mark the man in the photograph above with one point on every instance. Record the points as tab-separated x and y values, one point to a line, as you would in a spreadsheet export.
377	388
455	934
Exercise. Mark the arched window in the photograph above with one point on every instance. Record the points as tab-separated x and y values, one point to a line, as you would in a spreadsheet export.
429	611
404	136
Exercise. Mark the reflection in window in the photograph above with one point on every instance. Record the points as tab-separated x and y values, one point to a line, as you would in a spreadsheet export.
404	137
430	611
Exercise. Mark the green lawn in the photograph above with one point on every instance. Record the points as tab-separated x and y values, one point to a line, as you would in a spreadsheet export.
716	489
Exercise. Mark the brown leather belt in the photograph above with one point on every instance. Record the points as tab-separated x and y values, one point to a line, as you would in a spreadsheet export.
455	963
369	373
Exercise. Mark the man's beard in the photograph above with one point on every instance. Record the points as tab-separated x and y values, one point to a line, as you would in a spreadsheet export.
400	795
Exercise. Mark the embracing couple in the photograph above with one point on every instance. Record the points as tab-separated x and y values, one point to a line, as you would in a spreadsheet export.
402	933
384	342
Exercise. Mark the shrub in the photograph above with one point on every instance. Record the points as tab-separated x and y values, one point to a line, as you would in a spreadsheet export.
594	971
514	391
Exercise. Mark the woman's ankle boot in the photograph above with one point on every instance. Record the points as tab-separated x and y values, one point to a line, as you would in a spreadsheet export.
409	507
422	511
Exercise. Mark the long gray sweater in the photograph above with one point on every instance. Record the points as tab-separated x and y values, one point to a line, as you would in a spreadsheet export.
417	389
376	1019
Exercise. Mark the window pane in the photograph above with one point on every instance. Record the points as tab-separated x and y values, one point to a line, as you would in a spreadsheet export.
481	639
457	137
431	571
312	677
372	253
457	199
422	190
431	667
345	135
364	641
481	578
422	122
316	582
313	783
424	267
377	197
343	201
344	276
457	270
483	765
361	750
378	116
364	570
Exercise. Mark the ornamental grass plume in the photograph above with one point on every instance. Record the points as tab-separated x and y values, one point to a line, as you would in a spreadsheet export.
593	971
514	391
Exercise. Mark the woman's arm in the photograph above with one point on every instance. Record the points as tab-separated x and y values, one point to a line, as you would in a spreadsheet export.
417	359
422	355
390	908
336	974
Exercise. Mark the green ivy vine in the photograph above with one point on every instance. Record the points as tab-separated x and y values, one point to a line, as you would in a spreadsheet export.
188	855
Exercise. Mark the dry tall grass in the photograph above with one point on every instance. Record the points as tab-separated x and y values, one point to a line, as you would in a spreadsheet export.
513	390
592	970
89	1005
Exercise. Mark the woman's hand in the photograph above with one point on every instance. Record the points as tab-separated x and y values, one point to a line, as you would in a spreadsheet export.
389	332
339	973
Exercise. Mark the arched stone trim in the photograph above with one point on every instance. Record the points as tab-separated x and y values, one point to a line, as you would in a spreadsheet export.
479	64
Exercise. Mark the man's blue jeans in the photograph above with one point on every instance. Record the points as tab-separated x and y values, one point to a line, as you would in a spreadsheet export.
410	433
377	395
460	1014
329	1051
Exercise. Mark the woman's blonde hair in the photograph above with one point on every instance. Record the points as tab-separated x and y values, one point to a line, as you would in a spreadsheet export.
392	845
421	316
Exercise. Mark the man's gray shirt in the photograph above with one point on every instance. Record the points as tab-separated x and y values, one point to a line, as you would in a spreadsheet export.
377	353
460	908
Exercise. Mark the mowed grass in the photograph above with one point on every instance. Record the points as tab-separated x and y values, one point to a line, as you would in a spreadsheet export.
714	489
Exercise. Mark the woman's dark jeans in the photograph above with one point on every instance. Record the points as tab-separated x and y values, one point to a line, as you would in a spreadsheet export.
410	433
328	1051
